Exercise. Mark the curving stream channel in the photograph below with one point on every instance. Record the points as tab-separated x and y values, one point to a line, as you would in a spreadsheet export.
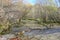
44	32
36	31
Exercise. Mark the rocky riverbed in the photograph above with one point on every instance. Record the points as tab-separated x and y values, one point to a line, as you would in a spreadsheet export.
50	34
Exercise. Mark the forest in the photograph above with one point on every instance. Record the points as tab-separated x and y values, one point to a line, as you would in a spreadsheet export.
19	14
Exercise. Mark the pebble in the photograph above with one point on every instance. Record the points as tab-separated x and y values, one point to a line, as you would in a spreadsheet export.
3	38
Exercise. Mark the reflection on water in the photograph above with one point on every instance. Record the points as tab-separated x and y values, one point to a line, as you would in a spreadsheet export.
38	32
